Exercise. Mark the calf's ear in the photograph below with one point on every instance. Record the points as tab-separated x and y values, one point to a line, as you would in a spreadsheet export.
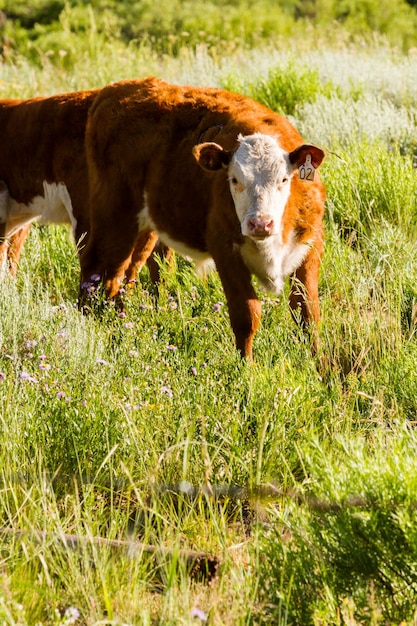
210	156
298	156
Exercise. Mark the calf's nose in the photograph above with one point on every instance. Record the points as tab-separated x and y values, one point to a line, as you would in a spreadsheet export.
260	227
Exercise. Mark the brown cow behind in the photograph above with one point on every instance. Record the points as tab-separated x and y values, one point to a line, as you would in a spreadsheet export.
213	174
43	166
43	170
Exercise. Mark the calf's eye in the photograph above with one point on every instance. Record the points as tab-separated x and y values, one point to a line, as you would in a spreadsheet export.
237	186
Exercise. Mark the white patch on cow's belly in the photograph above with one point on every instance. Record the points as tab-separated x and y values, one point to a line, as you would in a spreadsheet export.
203	261
54	206
271	262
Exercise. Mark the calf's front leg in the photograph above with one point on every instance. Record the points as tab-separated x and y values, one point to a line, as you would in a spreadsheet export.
244	306
304	296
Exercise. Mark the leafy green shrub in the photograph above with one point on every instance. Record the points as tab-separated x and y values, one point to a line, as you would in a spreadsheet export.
167	27
396	20
289	86
173	25
78	33
383	16
28	14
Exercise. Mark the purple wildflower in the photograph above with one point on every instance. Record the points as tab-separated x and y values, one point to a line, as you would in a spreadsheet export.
167	391
101	362
62	396
199	614
2	376
71	615
89	287
28	377
217	307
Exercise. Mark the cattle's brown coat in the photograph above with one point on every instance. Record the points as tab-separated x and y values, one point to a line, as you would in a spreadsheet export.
140	140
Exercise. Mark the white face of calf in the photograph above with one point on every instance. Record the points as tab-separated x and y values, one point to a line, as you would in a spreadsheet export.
260	175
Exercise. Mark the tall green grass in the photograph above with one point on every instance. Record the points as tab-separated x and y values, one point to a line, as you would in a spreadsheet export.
296	472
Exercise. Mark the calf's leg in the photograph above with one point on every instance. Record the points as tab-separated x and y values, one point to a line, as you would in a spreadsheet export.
244	306
145	244
164	253
304	296
11	248
112	237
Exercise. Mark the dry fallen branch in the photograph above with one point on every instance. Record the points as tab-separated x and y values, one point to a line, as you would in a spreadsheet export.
199	564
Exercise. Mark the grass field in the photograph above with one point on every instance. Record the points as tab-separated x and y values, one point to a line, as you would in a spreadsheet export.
295	476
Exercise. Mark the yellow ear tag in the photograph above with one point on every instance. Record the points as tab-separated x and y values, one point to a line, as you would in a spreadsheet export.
307	171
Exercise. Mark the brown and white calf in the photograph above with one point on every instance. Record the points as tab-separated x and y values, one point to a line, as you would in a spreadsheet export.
43	166
214	175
